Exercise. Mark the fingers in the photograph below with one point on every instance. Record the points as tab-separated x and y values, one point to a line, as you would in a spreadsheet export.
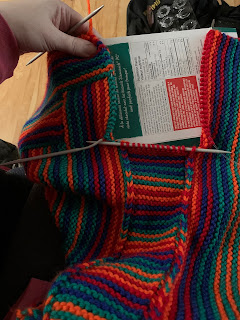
74	18
72	45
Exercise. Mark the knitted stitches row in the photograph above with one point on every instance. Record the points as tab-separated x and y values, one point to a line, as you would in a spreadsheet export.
147	234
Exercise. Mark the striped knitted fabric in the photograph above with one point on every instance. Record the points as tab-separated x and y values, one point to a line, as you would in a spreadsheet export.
148	234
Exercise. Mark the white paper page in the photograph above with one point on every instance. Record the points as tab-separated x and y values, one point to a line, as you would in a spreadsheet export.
166	72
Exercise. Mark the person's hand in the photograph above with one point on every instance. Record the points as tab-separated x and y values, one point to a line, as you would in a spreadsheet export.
40	25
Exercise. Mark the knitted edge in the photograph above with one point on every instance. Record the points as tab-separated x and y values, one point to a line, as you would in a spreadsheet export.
52	56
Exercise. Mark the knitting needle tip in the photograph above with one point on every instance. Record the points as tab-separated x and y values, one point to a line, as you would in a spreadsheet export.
35	58
74	28
71	31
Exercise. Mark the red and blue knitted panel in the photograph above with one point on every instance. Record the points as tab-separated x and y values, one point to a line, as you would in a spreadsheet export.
209	286
148	234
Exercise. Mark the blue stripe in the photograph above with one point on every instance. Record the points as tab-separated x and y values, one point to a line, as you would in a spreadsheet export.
163	165
104	234
156	158
91	113
218	82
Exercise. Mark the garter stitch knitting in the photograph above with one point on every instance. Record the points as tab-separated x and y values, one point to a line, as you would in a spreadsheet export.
148	234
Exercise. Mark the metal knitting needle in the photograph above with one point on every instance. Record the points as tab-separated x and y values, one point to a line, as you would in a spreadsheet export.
71	31
154	146
106	143
50	155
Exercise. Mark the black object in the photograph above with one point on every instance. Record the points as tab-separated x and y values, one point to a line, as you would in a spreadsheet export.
34	245
177	16
141	15
8	152
30	241
227	17
137	22
14	191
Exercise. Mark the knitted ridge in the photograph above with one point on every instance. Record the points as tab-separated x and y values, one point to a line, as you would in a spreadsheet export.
148	234
29	314
80	105
73	84
148	252
105	202
209	285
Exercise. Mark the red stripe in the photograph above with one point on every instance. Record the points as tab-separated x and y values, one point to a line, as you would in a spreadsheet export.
112	292
98	237
33	137
157	161
221	95
86	113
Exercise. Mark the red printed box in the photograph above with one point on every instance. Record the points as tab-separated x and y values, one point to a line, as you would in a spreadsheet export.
183	98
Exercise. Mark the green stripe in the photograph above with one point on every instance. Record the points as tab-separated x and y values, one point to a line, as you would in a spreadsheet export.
160	183
96	295
134	274
140	166
172	222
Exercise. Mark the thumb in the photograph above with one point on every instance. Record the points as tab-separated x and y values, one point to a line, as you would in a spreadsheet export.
72	45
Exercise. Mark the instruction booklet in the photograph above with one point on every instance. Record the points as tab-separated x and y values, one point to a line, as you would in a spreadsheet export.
157	78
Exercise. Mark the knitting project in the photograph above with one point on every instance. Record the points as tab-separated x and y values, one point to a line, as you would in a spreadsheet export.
148	234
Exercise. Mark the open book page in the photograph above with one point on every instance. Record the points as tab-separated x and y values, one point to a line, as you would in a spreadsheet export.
157	78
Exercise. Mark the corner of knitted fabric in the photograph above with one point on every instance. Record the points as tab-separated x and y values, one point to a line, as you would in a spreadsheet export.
219	97
96	71
205	83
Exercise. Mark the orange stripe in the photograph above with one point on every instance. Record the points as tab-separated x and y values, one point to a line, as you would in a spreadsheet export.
67	141
129	200
107	102
105	270
154	179
30	312
149	236
168	189
78	227
100	232
108	173
153	198
144	245
229	258
19	314
234	231
193	222
75	310
139	290
181	249
153	246
49	114
188	182
117	210
119	169
81	78
90	21
113	199
59	209
209	88
48	299
120	198
119	274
